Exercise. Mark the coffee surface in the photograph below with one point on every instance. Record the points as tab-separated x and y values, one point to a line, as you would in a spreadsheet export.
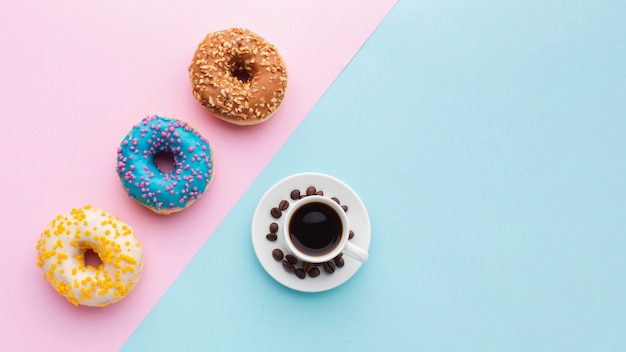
315	229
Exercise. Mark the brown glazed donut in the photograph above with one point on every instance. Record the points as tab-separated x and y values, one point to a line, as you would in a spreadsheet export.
238	76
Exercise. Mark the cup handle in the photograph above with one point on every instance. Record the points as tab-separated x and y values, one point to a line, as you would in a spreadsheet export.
355	252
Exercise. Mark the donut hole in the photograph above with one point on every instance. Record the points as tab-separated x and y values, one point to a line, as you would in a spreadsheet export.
241	73
242	69
165	162
92	258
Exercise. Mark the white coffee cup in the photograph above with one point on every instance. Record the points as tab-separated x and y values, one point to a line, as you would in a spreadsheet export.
323	234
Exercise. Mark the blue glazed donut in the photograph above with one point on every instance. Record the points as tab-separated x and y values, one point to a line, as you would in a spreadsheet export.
164	193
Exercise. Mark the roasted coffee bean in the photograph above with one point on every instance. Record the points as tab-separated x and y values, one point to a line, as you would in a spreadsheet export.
300	273
318	264
283	205
338	256
306	266
310	191
329	267
350	235
320	193
314	272
291	258
344	207
336	200
288	267
276	213
273	227
271	236
277	254
295	194
340	262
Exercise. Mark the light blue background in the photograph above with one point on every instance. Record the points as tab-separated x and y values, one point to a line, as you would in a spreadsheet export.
488	141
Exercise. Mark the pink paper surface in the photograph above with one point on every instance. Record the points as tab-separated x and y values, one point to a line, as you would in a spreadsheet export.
75	76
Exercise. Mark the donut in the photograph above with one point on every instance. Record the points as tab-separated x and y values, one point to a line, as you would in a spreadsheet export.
61	256
164	192
238	76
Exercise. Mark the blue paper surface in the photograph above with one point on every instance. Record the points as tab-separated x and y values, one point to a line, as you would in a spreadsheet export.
488	141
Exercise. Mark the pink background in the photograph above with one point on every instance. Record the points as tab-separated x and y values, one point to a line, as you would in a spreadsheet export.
76	75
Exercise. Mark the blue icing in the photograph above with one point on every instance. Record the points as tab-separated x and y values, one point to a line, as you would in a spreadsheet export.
145	182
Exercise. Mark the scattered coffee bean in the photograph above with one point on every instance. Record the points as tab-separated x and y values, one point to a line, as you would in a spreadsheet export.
344	207
291	258
277	254
306	266
273	227
320	193
288	266
350	235
283	205
314	272
336	200
340	262
295	194
310	191
329	267
271	236
276	213
318	264
300	273
338	256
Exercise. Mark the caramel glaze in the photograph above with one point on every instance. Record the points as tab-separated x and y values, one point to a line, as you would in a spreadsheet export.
225	55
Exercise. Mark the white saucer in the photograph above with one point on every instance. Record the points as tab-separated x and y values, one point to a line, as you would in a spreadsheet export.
332	187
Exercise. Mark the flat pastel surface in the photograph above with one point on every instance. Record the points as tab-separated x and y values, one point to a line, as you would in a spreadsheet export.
75	76
486	139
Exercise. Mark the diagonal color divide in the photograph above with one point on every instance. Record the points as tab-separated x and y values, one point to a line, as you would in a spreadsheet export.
74	78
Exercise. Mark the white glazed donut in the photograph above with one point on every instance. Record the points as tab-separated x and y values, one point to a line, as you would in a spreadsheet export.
61	256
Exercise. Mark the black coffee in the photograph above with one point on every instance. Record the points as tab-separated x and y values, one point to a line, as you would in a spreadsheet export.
315	229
